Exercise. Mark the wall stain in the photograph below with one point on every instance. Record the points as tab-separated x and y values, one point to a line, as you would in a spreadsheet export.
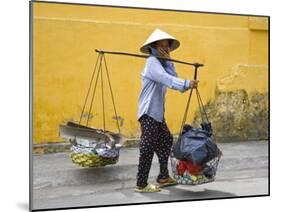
237	115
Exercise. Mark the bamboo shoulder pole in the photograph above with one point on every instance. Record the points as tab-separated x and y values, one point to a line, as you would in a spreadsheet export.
146	56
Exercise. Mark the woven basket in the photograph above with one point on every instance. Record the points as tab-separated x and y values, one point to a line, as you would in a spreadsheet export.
91	160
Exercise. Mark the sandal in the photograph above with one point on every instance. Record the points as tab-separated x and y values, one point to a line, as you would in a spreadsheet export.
149	188
166	182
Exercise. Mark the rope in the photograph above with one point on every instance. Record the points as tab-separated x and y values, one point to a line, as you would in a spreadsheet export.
185	113
86	99
102	95
100	59
201	108
202	105
93	96
112	96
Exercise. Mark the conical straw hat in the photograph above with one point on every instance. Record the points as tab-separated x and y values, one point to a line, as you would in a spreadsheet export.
156	35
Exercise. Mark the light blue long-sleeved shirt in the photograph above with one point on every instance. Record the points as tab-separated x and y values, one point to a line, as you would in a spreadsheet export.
155	80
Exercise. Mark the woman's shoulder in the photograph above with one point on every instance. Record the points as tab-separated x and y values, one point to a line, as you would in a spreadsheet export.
151	59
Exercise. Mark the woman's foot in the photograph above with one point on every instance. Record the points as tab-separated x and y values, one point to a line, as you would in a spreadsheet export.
149	188
166	182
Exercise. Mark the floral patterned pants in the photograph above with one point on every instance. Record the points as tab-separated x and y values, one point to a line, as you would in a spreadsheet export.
155	137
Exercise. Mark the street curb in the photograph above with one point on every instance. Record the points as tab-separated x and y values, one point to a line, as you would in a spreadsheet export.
56	147
51	148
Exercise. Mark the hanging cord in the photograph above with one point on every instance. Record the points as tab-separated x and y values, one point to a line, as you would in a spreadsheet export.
102	96
100	59
199	105
86	99
201	109
202	105
93	96
188	102
200	102
185	113
117	121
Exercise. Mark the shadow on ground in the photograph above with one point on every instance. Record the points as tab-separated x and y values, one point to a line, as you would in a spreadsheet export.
179	193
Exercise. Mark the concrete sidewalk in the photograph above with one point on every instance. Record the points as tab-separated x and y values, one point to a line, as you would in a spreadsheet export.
243	170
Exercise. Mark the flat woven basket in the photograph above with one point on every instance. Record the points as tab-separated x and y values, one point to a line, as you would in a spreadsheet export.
91	159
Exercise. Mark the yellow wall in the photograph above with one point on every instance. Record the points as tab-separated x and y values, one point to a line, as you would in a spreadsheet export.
65	37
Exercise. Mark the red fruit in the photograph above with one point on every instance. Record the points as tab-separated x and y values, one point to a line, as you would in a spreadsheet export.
181	167
192	169
184	165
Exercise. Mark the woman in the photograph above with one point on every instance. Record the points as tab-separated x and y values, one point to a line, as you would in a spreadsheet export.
158	74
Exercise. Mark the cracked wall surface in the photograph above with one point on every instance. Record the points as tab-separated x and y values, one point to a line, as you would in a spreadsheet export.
238	115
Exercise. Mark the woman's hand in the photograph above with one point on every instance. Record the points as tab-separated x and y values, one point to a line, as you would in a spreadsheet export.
163	53
193	83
